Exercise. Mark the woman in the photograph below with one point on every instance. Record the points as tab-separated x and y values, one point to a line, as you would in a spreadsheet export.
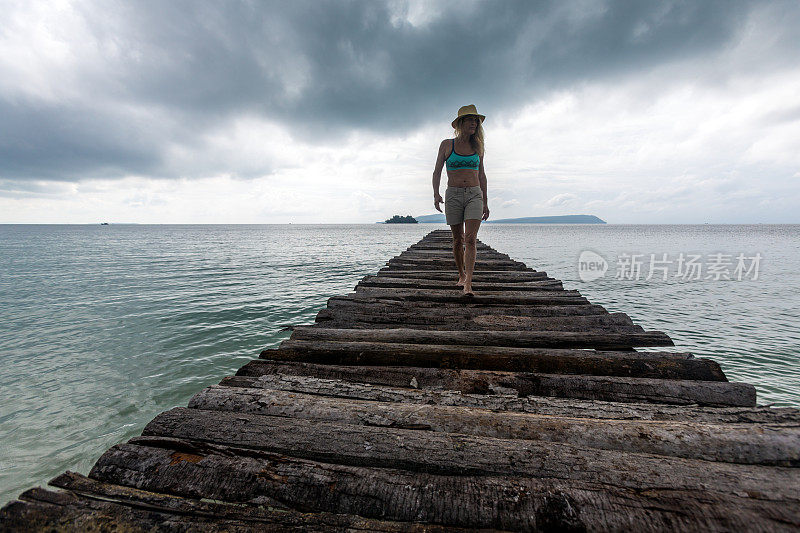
465	201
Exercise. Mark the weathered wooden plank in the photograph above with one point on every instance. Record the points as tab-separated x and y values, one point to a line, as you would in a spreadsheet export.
462	308
322	321
39	510
445	244
448	254
465	305
479	265
440	235
318	349
476	316
380	291
484	263
489	390
481	358
91	505
766	444
449	259
455	350
520	339
417	283
505	276
443	238
354	318
428	294
447	251
459	454
520	503
455	297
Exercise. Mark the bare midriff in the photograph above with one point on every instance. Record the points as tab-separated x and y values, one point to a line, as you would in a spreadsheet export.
462	177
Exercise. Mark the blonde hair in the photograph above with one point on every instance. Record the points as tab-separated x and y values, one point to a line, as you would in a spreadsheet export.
476	139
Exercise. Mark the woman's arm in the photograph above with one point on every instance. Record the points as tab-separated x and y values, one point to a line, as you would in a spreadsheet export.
437	175
482	180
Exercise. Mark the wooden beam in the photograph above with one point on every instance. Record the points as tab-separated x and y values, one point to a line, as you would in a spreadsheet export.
527	503
520	339
542	360
506	391
773	444
459	454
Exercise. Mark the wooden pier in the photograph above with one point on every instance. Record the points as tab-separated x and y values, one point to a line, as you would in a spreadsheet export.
409	407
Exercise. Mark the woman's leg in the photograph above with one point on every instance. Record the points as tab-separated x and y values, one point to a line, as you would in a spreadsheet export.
458	250
470	241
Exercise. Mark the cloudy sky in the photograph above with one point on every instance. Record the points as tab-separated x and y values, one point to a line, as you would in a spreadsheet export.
331	112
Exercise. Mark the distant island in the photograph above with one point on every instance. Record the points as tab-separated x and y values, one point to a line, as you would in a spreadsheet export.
557	219
397	219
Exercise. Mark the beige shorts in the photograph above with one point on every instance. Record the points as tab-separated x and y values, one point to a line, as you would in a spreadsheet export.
463	203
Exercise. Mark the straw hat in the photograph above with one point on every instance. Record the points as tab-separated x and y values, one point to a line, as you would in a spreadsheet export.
467	110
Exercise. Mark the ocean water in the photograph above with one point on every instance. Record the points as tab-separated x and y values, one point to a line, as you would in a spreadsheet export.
104	327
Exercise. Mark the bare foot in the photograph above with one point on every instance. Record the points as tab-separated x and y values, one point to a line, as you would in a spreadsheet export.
461	281
468	290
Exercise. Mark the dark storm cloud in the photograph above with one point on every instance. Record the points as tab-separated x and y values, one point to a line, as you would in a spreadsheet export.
322	68
57	142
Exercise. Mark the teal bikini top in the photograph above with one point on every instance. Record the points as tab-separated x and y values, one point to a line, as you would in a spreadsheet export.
457	161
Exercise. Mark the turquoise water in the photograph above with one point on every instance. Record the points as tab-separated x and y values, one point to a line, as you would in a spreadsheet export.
104	327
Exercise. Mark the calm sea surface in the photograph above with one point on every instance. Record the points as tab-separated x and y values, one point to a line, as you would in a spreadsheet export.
104	327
